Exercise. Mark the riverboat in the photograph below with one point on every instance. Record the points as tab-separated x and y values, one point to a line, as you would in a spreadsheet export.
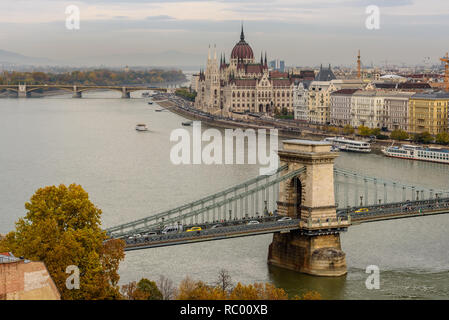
413	152
343	144
141	127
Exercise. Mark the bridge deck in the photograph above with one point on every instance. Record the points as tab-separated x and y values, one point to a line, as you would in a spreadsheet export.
244	230
214	234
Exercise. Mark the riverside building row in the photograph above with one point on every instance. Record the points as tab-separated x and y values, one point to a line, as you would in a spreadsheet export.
390	110
243	86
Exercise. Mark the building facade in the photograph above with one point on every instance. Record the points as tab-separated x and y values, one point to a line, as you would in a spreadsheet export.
429	112
320	95
25	280
397	109
243	85
300	100
340	107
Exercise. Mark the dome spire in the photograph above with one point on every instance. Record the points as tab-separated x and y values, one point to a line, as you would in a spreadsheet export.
242	35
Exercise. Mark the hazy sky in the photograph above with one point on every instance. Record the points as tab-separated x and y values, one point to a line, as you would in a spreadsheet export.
302	32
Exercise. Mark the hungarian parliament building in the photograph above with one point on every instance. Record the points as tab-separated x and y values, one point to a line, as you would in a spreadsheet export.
243	87
243	84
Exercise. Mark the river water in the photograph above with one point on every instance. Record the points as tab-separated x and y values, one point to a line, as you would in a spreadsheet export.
92	142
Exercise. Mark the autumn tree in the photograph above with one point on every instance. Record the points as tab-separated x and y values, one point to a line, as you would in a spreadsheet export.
258	291
311	295
62	228
198	290
131	292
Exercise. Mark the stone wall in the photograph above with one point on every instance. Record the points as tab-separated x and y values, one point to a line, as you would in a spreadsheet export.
26	281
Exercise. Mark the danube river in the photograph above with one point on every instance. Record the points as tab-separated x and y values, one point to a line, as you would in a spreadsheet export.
93	142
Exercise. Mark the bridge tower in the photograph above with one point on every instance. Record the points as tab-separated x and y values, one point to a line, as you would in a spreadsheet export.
22	91
76	93
125	93
314	248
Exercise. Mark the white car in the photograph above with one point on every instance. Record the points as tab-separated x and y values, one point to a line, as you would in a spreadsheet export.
253	222
285	219
150	234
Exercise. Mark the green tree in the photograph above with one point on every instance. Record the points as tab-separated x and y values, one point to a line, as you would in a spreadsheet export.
364	131
150	289
442	138
348	129
62	228
424	137
374	132
399	134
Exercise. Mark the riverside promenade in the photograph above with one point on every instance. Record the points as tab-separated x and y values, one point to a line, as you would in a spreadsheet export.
289	129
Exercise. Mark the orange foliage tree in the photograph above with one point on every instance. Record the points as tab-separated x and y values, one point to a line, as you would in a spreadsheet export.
61	229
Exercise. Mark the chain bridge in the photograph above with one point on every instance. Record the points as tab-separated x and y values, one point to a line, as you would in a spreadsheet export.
306	200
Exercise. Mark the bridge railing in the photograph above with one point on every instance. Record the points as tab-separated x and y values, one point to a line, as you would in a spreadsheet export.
397	208
273	226
366	191
239	201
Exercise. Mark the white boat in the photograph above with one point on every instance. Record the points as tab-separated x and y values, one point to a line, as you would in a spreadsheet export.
344	144
141	127
413	152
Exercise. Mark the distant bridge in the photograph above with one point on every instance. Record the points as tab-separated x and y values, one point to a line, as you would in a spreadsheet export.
24	90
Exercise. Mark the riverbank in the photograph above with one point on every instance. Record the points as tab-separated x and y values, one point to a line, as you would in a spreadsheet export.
284	131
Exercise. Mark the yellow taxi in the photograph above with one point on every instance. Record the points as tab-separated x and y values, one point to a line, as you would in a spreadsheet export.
361	210
194	229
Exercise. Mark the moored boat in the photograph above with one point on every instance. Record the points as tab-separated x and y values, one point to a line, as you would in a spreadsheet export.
141	127
344	144
413	152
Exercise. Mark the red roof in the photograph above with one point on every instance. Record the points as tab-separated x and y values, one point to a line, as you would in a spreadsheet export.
242	50
281	82
345	91
254	68
244	82
277	74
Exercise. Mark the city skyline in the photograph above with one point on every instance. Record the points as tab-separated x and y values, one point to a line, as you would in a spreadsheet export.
173	32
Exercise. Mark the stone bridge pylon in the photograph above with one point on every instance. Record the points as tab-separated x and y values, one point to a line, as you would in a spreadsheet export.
314	248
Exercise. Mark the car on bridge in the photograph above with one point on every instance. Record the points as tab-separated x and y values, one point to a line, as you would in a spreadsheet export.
149	234
253	222
171	229
193	229
362	210
284	219
215	226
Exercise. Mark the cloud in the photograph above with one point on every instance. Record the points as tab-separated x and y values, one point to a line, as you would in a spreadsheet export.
303	31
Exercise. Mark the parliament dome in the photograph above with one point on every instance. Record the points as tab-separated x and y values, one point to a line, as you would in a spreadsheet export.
242	50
